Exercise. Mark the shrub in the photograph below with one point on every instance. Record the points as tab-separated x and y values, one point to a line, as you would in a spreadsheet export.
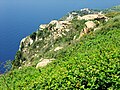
112	14
33	36
18	59
90	64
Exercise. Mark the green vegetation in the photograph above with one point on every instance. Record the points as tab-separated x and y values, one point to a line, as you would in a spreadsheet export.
33	36
18	59
113	9
89	63
112	14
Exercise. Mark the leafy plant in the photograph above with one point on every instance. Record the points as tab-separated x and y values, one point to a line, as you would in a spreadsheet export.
33	36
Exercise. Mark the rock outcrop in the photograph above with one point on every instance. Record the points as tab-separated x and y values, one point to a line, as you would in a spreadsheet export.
93	17
25	42
44	62
90	24
43	26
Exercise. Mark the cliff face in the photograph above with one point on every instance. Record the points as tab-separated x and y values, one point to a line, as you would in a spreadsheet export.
55	36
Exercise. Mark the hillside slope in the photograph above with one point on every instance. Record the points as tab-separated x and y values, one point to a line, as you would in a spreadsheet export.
55	36
87	60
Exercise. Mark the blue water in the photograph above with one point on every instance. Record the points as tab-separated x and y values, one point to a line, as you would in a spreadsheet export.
19	18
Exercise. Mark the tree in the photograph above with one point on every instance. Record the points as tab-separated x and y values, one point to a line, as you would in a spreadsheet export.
18	57
33	36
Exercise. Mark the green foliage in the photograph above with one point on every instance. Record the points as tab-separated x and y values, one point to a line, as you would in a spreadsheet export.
33	36
78	24
40	33
18	59
38	43
43	33
112	24
18	56
113	9
22	46
112	14
90	64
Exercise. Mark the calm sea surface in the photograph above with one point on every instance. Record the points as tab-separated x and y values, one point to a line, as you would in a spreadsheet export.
19	18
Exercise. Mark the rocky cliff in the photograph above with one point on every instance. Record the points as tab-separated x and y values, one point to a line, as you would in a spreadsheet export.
58	34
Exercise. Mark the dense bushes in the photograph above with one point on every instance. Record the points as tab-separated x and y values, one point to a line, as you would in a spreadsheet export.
112	14
18	59
78	24
112	24
90	64
33	36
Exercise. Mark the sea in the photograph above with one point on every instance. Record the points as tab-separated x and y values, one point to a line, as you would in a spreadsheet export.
20	18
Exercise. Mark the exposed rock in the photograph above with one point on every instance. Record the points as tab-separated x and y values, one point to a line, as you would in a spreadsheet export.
86	9
63	34
25	42
90	24
58	48
67	30
43	26
86	30
28	64
44	62
58	28
36	38
81	34
53	22
97	28
21	42
62	24
70	17
37	46
30	41
20	68
74	13
25	50
74	37
79	17
92	17
40	39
